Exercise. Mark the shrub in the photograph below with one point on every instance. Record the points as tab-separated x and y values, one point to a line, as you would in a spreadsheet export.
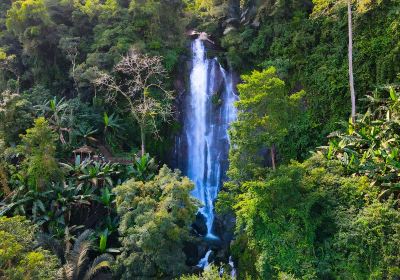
20	258
155	222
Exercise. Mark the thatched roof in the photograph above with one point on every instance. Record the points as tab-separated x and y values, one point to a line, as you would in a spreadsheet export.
84	150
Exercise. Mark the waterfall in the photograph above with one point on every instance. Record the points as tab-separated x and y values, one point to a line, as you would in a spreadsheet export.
209	109
233	269
203	263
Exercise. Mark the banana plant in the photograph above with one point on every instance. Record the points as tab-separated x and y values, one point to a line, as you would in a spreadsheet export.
86	133
59	115
112	123
370	145
143	169
30	203
103	243
97	174
113	129
106	197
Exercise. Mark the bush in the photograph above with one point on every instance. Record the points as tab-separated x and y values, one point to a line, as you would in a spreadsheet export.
20	258
38	146
311	221
212	272
155	223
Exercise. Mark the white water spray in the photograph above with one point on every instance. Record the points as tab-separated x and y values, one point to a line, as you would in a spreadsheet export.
209	111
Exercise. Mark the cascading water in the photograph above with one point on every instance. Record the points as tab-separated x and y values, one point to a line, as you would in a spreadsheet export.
209	109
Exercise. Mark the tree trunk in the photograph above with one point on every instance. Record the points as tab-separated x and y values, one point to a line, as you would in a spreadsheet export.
18	85
273	157
351	76
143	139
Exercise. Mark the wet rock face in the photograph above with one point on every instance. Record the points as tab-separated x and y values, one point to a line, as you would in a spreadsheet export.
224	226
200	225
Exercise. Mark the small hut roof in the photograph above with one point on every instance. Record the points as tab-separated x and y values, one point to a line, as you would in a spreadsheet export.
84	150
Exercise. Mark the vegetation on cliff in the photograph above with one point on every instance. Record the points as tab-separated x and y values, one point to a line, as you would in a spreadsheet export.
89	110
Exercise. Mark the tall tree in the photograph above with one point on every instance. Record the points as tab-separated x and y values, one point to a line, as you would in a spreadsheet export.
263	118
351	75
38	146
141	85
325	7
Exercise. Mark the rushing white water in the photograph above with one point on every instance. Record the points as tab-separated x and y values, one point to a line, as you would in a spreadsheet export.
208	113
203	263
233	269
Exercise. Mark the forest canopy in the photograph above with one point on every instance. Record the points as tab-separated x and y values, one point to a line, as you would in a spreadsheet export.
94	102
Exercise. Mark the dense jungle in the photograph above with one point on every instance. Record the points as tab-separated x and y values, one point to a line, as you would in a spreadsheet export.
199	139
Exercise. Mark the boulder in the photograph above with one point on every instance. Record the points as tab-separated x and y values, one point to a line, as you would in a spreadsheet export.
200	225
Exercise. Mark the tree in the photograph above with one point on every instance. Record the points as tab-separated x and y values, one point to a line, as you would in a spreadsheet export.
263	114
15	116
142	87
70	47
30	21
370	146
38	146
155	223
8	64
325	7
20	257
350	54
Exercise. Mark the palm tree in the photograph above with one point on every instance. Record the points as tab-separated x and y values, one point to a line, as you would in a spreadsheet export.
76	264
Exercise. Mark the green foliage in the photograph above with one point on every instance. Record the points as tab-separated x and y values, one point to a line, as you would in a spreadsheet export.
92	173
310	53
144	168
325	218
112	128
59	115
313	222
370	146
20	258
15	116
212	272
334	216
28	19
369	240
264	111
155	222
47	39
38	146
75	258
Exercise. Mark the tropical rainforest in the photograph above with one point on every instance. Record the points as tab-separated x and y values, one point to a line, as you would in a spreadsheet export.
91	112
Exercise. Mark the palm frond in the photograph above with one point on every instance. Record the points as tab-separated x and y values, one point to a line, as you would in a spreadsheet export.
66	272
101	263
84	236
48	242
81	259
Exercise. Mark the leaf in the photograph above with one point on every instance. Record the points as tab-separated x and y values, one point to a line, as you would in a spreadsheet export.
330	151
106	119
351	126
103	242
393	94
